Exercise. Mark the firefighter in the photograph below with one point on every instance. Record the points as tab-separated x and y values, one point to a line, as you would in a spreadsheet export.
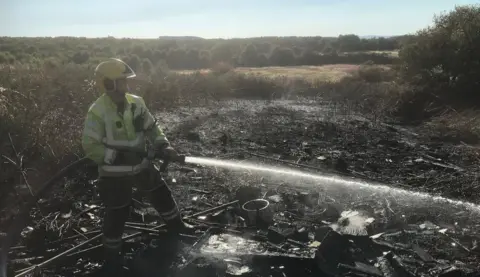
117	123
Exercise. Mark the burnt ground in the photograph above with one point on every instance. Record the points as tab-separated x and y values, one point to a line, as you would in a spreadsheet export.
413	233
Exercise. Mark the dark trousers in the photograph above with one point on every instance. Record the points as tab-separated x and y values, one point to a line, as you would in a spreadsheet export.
116	194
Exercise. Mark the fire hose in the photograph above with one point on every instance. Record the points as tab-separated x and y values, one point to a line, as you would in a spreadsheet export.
20	221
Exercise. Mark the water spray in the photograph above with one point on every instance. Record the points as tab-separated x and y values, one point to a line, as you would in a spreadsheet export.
328	181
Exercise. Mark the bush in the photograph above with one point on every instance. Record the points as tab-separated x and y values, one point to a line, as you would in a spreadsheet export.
456	127
80	57
6	58
442	60
375	73
43	111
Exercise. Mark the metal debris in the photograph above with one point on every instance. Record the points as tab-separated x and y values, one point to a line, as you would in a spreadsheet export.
332	243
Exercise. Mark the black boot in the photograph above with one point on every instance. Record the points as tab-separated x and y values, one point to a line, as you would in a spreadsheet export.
113	265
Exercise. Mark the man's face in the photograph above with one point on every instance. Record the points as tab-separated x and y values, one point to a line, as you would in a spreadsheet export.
121	87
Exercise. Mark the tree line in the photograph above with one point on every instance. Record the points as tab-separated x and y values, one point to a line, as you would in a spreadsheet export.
196	53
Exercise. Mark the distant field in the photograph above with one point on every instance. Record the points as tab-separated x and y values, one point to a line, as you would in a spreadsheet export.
332	72
327	72
387	53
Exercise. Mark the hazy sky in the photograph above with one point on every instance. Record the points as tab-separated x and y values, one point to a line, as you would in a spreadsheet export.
217	18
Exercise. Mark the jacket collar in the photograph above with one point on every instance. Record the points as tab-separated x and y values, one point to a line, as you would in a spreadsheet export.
110	102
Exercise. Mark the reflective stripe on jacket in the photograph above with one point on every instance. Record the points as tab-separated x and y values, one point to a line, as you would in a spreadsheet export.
104	126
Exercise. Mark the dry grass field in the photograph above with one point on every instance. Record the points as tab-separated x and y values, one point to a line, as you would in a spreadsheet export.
325	73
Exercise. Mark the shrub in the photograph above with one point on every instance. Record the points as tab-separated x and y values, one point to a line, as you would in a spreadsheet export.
375	73
456	127
442	61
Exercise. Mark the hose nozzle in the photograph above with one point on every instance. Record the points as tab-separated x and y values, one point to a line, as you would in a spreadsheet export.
180	159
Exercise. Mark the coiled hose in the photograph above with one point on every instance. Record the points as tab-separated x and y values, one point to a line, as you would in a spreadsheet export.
20	221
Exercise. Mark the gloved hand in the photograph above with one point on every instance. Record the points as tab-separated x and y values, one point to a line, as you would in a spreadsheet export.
166	151
110	156
170	153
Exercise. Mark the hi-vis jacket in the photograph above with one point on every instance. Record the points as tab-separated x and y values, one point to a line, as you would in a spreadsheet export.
105	129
